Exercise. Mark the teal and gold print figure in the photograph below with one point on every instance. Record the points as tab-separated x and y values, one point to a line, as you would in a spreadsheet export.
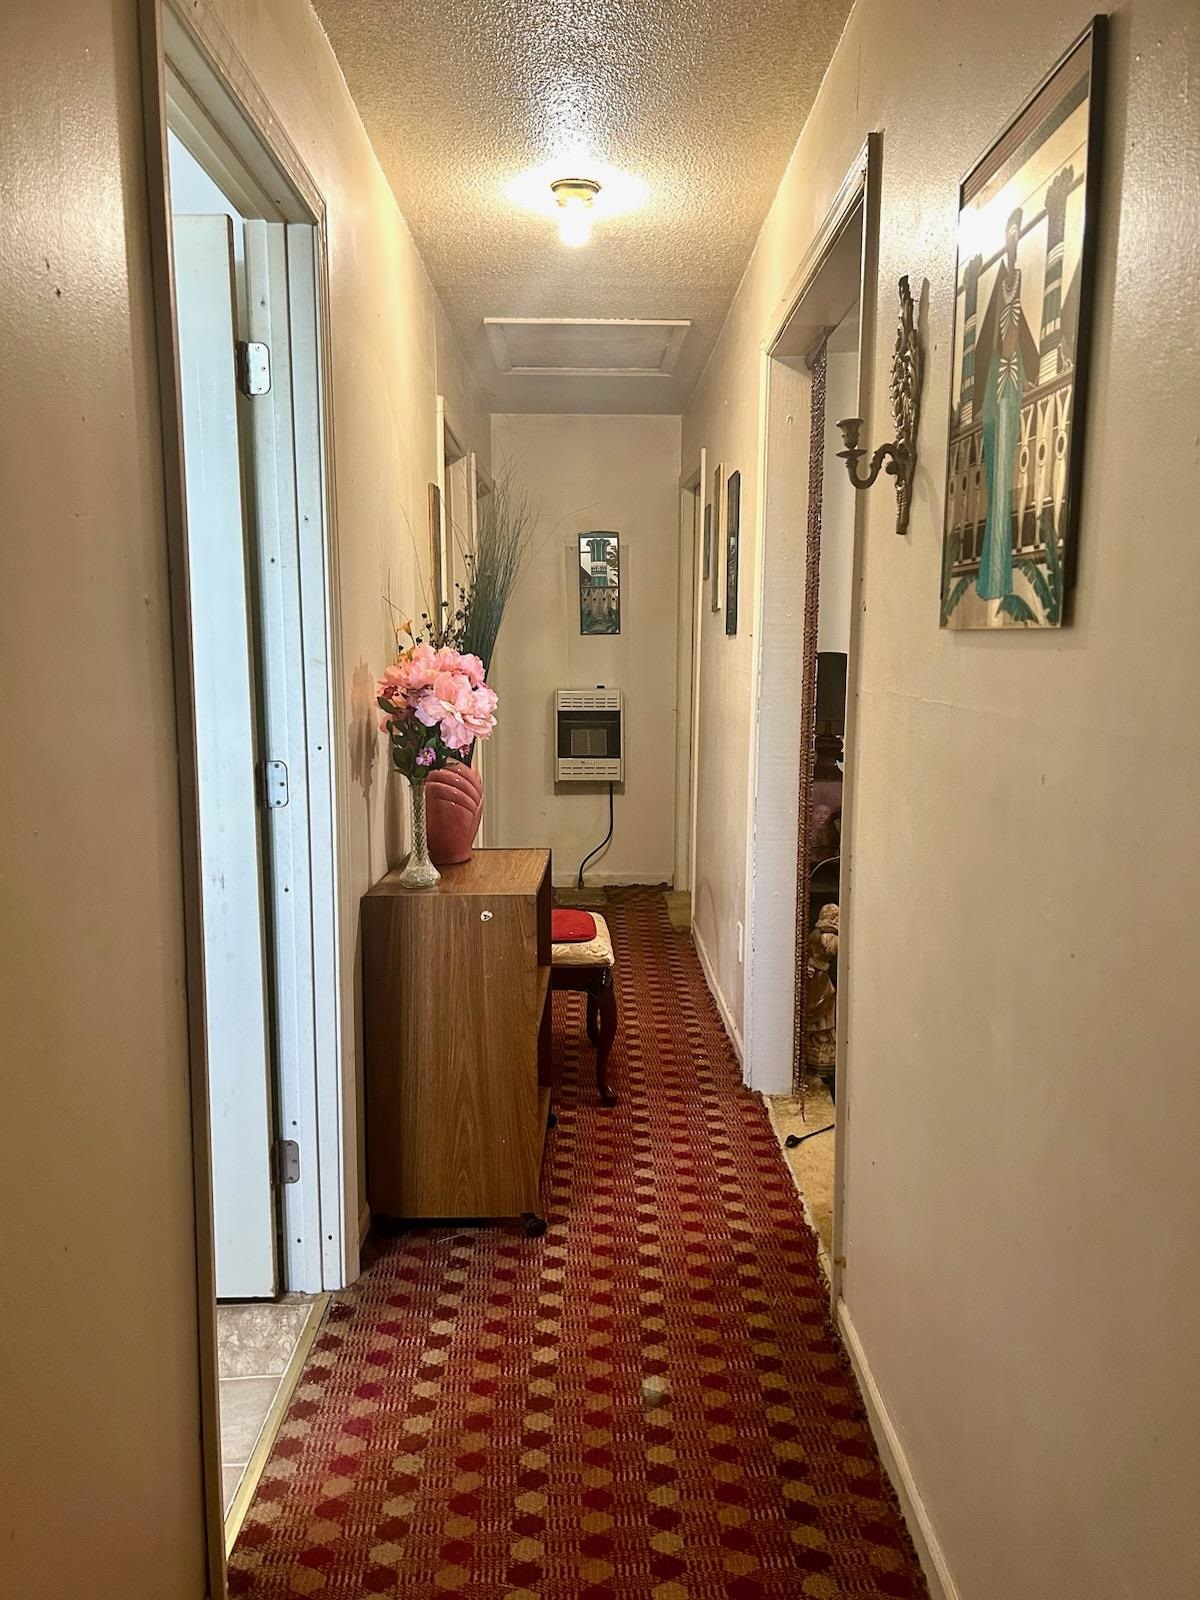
1006	360
1012	466
599	583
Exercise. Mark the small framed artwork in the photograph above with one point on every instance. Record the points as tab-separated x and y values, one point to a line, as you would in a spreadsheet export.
718	530
707	542
1022	326
733	525
599	583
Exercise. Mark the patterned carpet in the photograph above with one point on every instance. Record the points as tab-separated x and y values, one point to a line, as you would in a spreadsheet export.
646	1402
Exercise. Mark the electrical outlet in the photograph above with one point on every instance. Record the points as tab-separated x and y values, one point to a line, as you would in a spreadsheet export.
741	942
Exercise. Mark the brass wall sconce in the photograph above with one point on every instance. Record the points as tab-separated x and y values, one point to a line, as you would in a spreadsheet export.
900	456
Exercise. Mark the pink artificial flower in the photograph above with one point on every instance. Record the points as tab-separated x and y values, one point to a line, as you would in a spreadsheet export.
473	667
426	756
453	690
412	672
390	686
480	718
443	689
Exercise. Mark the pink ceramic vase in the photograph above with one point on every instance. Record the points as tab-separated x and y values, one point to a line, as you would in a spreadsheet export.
453	806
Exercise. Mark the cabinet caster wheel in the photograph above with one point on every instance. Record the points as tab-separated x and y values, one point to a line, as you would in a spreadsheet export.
552	1120
533	1226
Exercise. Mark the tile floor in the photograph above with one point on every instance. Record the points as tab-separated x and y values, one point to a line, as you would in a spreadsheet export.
255	1344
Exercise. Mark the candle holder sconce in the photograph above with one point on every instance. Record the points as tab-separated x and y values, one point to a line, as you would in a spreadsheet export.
899	457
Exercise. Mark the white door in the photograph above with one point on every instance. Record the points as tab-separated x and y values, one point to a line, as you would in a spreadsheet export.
235	988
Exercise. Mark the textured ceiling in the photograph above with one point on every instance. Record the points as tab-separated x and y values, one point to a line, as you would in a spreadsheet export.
698	100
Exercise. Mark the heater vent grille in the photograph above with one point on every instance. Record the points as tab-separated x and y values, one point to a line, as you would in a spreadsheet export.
589	700
589	736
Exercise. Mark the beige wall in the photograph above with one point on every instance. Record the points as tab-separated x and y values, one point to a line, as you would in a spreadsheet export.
585	472
1022	1097
100	1457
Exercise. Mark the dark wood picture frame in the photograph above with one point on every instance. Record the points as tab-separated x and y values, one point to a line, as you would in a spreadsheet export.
1028	219
717	508
733	529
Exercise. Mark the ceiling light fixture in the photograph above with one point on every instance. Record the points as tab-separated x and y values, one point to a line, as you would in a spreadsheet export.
574	197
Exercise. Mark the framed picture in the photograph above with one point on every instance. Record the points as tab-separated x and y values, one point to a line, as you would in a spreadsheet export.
1022	322
707	542
599	582
718	528
733	522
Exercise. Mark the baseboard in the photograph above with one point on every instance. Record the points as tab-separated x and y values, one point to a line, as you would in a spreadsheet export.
597	879
896	1463
710	977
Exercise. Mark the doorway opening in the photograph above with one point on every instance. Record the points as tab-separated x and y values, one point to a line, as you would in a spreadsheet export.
238	241
799	875
690	589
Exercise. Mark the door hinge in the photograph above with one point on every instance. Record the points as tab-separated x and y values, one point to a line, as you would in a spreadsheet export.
253	367
273	784
287	1161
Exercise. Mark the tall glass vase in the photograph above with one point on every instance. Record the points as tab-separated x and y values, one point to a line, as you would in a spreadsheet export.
419	871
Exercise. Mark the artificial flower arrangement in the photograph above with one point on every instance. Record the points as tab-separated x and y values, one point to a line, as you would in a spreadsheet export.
435	704
434	697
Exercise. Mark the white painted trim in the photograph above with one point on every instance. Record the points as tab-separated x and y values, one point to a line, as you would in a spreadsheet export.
871	166
749	876
687	649
898	1467
714	988
697	664
860	187
320	672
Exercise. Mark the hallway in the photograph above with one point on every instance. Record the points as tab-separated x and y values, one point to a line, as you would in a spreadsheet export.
646	1402
722	444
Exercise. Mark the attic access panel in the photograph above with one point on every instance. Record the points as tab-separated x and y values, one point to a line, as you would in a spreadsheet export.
592	346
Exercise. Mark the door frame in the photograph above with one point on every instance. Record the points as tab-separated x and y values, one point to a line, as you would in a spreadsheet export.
189	58
693	486
769	919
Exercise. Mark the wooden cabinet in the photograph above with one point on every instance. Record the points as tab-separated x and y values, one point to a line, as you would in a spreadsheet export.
456	984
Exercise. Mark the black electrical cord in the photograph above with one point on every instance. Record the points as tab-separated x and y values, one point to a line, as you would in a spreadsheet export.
603	842
794	1139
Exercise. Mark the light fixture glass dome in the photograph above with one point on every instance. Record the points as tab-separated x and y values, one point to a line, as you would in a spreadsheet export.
574	197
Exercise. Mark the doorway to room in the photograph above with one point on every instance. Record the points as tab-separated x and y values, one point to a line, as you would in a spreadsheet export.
240	264
815	372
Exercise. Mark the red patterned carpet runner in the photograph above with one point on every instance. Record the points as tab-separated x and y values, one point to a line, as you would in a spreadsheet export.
645	1402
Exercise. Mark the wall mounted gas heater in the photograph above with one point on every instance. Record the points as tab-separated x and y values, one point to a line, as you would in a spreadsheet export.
589	735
